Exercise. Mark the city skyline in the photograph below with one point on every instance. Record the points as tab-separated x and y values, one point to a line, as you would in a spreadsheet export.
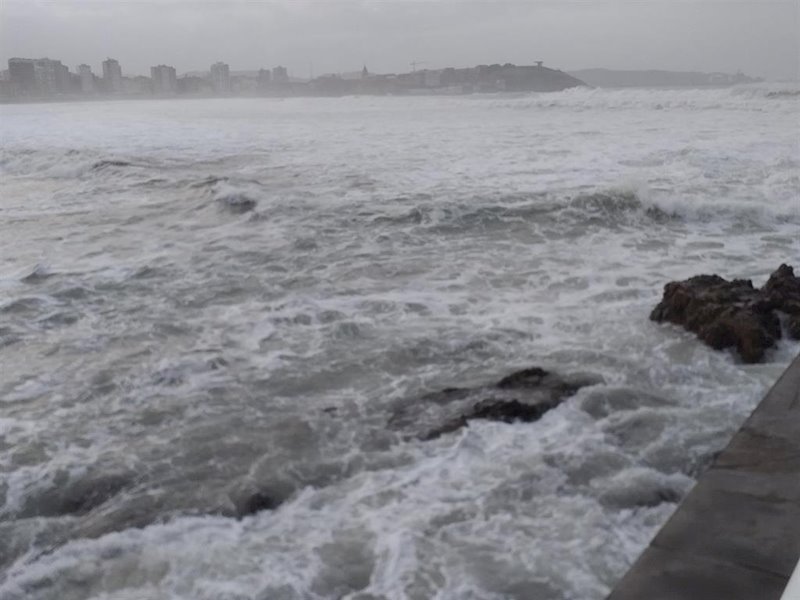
313	38
39	78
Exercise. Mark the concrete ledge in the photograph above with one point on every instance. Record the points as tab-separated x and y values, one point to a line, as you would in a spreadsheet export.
737	534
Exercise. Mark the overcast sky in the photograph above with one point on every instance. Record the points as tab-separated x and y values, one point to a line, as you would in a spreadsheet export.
760	37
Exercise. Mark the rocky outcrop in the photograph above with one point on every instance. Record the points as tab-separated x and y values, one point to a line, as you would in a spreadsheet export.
522	396
734	314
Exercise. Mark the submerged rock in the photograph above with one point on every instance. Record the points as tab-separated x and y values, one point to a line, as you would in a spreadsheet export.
522	396
734	314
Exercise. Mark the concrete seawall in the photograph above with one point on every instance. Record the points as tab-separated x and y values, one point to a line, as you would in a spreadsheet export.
736	536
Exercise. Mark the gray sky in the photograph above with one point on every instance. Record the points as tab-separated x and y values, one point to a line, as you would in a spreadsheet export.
760	37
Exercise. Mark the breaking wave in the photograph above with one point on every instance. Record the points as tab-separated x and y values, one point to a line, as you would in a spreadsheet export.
750	97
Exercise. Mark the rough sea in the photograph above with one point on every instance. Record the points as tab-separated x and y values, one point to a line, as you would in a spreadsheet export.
210	303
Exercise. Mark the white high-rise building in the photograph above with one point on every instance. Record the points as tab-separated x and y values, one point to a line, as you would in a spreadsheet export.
165	80
112	76
221	78
87	79
38	76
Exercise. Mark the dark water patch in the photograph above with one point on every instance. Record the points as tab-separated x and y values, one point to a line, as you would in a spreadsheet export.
102	383
643	488
581	469
74	496
103	164
303	319
305	244
22	306
635	430
783	94
330	316
209	181
360	182
350	330
59	319
39	274
136	511
8	337
217	363
417	309
178	374
415	216
152	182
609	209
147	272
220	293
602	402
407	354
616	208
170	376
347	564
75	292
19	537
459	219
256	258
236	203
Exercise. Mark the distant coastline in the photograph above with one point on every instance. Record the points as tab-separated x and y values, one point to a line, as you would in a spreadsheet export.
612	78
46	80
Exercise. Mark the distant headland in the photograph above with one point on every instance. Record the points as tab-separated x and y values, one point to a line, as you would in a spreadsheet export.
656	78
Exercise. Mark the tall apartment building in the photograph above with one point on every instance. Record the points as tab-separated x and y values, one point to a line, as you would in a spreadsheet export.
221	78
165	80
38	76
87	79
22	76
280	75
112	76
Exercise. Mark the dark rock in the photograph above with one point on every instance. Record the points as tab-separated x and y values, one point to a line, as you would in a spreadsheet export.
734	314
256	502
522	396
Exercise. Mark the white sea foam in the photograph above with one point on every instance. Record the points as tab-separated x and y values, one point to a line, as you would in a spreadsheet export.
166	354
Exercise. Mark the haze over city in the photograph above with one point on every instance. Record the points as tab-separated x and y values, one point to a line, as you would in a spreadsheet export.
757	37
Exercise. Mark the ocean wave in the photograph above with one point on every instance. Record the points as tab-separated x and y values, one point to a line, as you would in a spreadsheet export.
605	208
748	97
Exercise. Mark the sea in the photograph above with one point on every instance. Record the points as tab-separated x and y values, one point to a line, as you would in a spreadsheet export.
210	309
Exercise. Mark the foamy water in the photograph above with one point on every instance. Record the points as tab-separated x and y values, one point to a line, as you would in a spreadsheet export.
200	300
